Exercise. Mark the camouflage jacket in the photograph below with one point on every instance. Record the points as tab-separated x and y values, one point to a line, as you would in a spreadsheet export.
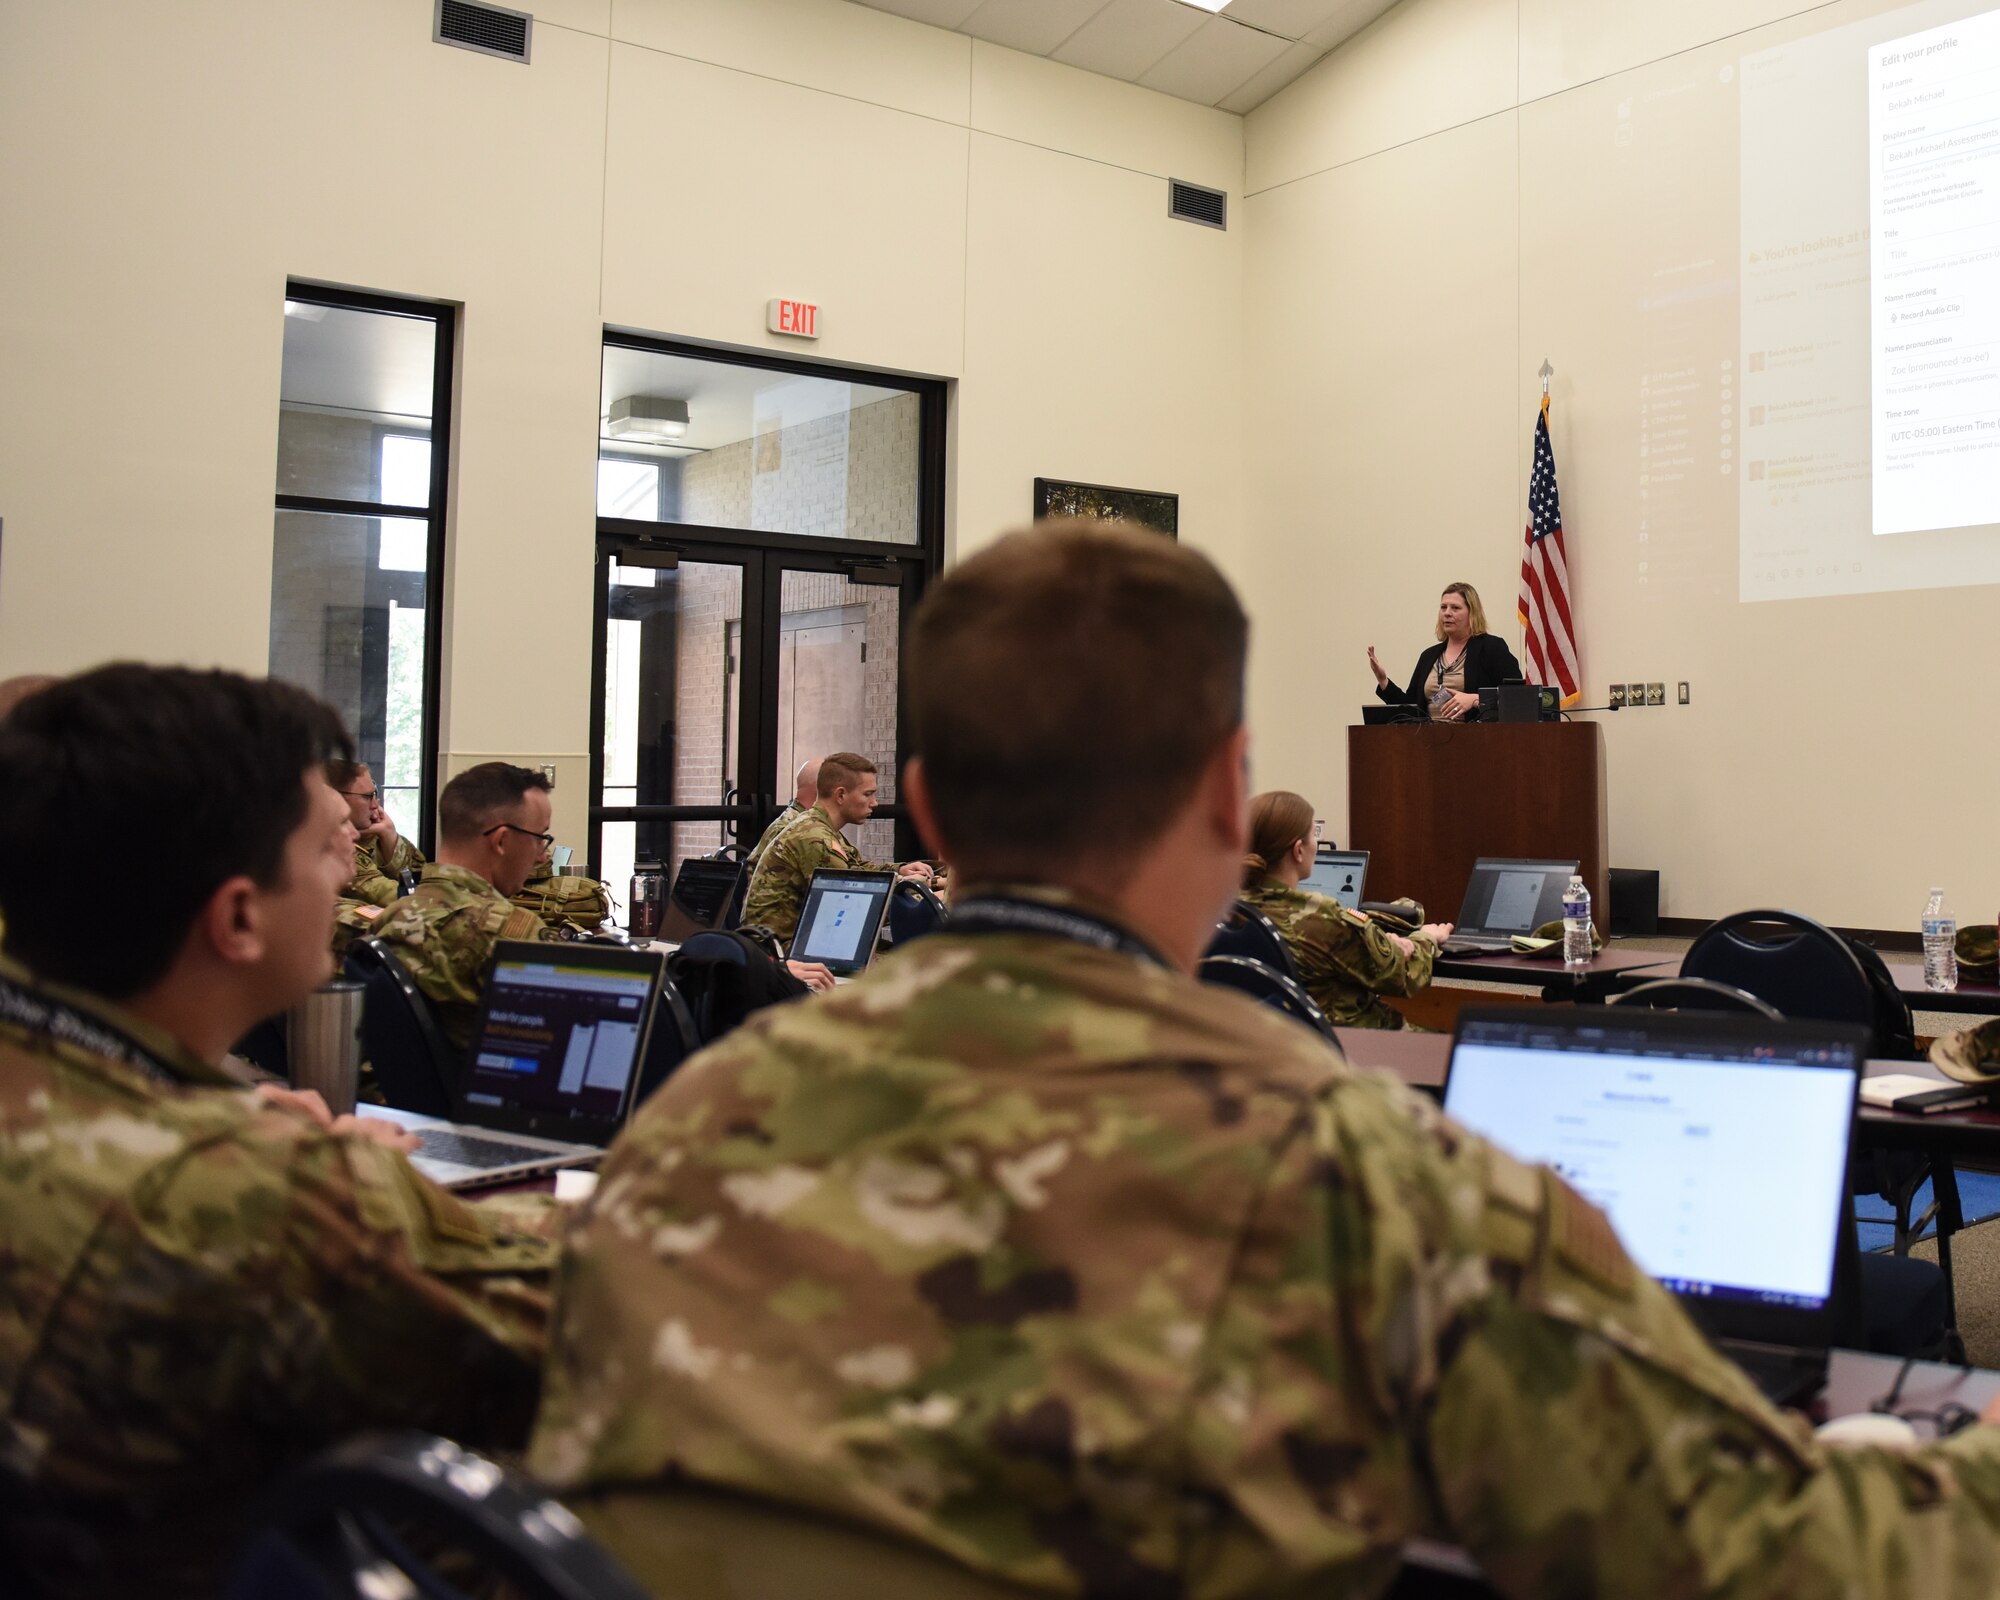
1102	1281
778	887
198	1291
444	933
1344	960
783	820
375	875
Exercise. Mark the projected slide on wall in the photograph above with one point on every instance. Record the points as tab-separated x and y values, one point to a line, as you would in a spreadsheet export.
1870	306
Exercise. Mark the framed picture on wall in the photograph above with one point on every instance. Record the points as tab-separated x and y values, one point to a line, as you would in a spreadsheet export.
1102	503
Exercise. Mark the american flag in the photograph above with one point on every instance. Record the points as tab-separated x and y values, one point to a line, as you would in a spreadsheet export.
1550	637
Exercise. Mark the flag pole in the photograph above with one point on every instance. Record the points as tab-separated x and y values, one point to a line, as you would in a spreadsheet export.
1548	372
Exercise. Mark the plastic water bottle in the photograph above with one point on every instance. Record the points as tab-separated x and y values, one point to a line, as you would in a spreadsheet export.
1940	944
1576	924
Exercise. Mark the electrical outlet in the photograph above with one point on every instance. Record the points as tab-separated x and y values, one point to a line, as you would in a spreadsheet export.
1616	696
548	770
1684	691
1656	694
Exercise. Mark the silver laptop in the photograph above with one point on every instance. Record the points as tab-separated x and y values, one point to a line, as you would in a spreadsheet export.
1505	897
1666	1123
551	1077
1339	875
841	920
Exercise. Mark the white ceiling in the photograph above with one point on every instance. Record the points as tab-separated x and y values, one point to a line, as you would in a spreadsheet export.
1235	60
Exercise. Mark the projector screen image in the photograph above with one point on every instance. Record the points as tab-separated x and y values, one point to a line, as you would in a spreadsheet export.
1860	410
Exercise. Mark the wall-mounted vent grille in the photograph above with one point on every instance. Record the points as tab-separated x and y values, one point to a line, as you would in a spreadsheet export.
491	30
1190	202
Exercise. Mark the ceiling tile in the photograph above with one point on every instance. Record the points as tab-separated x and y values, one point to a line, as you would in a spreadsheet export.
1128	37
1344	21
1217	58
1293	18
938	13
1036	26
1271	79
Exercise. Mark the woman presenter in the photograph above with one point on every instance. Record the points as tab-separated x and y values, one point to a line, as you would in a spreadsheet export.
1451	673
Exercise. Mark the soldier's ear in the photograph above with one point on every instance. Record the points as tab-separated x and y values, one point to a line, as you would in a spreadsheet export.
917	796
231	923
1225	791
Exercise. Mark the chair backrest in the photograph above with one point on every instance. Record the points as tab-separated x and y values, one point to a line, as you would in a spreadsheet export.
415	1064
1695	994
673	1040
697	969
914	910
342	1523
1248	933
1263	983
1803	968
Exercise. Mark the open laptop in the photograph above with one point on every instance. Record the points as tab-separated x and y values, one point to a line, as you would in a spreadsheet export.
1378	716
699	900
841	920
1717	1145
1339	875
562	1034
1505	897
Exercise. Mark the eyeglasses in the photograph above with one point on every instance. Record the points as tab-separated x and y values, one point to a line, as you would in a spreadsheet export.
370	795
548	839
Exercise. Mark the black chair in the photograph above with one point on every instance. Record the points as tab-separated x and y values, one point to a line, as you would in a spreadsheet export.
373	1516
415	1064
1800	966
914	910
674	1038
1694	994
1263	983
1248	933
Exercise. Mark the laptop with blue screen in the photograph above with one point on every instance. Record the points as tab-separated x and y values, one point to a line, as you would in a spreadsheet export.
841	920
1718	1147
555	1059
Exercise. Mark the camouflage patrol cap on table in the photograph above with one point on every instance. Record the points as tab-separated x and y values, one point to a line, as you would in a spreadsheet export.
1403	916
1547	940
1979	953
1972	1056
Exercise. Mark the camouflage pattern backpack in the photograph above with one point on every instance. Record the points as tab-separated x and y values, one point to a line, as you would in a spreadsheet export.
574	905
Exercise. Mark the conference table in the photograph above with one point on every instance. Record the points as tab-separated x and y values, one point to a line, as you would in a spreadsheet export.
1609	970
1979	998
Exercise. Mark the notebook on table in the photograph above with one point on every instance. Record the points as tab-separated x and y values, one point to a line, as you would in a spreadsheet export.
562	1033
1339	875
699	900
1718	1146
1505	897
841	920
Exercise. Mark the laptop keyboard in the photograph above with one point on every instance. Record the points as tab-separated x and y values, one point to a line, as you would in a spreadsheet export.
465	1151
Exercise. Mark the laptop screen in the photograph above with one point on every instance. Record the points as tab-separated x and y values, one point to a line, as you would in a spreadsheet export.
700	897
1340	875
1513	896
1718	1149
560	1034
840	920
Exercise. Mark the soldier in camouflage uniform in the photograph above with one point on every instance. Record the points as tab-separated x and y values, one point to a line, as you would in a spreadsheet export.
492	831
200	1288
813	842
381	854
804	794
1028	1250
1345	962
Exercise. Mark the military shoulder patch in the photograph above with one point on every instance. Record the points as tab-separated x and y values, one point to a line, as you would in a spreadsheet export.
1582	1236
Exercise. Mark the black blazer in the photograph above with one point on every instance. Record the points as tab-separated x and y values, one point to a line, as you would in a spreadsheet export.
1488	664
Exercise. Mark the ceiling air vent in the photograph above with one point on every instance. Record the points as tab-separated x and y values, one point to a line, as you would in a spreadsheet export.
491	30
1190	202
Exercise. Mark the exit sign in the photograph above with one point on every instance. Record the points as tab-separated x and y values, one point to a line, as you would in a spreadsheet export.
799	318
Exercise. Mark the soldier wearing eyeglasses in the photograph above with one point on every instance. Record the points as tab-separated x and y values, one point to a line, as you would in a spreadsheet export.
381	854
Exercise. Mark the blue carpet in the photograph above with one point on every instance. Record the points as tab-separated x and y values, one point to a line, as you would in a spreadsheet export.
1978	1197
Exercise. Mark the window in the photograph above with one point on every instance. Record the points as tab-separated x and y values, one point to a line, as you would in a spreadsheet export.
363	419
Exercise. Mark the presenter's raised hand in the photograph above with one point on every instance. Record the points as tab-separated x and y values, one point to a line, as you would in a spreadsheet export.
1374	666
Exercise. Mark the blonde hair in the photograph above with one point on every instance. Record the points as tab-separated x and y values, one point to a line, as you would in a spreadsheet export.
1473	609
1279	819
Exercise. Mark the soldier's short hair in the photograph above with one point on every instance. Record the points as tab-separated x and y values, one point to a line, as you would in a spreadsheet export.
1066	684
841	770
474	800
344	775
1279	819
206	769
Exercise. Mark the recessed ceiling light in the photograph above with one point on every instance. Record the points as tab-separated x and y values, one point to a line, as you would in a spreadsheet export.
1206	5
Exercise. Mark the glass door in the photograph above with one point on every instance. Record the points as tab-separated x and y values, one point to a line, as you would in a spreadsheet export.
678	704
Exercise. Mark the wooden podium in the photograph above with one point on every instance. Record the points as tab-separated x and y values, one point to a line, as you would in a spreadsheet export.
1426	800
